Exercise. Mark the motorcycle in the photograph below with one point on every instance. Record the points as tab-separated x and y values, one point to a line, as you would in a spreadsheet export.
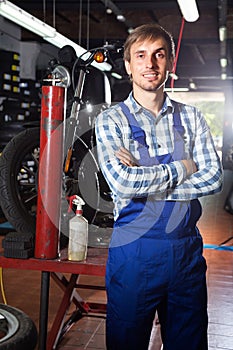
19	160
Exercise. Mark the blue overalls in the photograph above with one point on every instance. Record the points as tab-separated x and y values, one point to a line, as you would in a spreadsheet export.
155	263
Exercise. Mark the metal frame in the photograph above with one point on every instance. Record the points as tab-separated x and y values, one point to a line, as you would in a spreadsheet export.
93	266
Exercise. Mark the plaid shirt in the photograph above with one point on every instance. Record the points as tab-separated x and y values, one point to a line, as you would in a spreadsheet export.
164	181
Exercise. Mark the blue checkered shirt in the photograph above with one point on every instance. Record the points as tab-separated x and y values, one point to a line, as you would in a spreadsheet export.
164	181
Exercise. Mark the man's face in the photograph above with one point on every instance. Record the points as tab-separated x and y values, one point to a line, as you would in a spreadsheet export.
149	64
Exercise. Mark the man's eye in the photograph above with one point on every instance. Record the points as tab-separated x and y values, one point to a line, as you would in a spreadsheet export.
140	55
159	55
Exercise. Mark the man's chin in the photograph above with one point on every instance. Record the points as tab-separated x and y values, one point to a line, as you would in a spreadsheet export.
151	87
154	88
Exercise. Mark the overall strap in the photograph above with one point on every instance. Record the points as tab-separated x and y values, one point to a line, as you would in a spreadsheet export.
176	114
178	131
177	120
138	134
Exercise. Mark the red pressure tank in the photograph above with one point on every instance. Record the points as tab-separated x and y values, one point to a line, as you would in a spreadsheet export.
50	172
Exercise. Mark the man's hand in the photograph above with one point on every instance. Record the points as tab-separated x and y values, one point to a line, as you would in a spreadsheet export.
190	166
126	157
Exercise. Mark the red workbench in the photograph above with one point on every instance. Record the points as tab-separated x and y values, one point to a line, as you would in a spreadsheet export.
94	265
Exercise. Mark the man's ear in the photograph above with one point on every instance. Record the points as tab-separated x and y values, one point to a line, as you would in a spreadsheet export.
171	64
127	67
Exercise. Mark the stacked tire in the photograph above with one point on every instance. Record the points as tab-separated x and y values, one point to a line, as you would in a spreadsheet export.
17	330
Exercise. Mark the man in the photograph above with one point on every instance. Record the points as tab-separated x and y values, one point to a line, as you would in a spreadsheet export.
158	157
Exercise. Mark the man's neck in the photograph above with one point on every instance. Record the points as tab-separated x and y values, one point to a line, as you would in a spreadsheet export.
151	100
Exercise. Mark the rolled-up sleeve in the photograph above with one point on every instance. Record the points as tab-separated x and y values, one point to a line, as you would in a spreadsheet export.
208	178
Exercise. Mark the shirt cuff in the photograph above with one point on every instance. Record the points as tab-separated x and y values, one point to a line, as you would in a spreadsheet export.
178	173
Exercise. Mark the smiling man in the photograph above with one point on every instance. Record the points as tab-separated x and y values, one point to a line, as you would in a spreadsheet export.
158	158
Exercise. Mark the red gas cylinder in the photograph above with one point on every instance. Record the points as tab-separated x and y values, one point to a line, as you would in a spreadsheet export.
50	172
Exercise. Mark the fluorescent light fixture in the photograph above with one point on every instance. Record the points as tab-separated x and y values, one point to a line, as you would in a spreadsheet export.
116	75
189	10
184	89
222	32
48	33
108	90
173	76
24	19
223	62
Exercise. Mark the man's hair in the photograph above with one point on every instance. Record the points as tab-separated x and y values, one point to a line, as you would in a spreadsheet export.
152	32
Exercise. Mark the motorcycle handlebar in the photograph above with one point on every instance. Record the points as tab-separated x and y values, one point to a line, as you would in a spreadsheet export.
68	58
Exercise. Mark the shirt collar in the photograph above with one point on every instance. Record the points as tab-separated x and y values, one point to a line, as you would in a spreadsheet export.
135	107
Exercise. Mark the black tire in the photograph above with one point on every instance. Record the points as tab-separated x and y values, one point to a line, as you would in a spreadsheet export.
17	330
18	180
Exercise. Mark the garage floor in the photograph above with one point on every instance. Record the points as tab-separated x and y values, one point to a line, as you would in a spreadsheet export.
22	288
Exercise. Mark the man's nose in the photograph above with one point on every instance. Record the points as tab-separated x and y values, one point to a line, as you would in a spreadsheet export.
151	62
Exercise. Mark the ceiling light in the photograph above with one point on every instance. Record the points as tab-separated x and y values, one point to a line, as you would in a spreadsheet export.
120	18
189	10
223	62
48	33
108	11
223	76
192	85
130	30
222	32
89	107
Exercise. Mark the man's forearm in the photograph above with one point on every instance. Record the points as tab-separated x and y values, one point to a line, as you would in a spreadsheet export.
190	166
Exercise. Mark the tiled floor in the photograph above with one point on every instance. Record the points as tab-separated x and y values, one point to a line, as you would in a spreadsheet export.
22	288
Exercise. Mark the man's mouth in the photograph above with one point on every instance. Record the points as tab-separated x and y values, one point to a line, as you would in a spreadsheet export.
150	75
